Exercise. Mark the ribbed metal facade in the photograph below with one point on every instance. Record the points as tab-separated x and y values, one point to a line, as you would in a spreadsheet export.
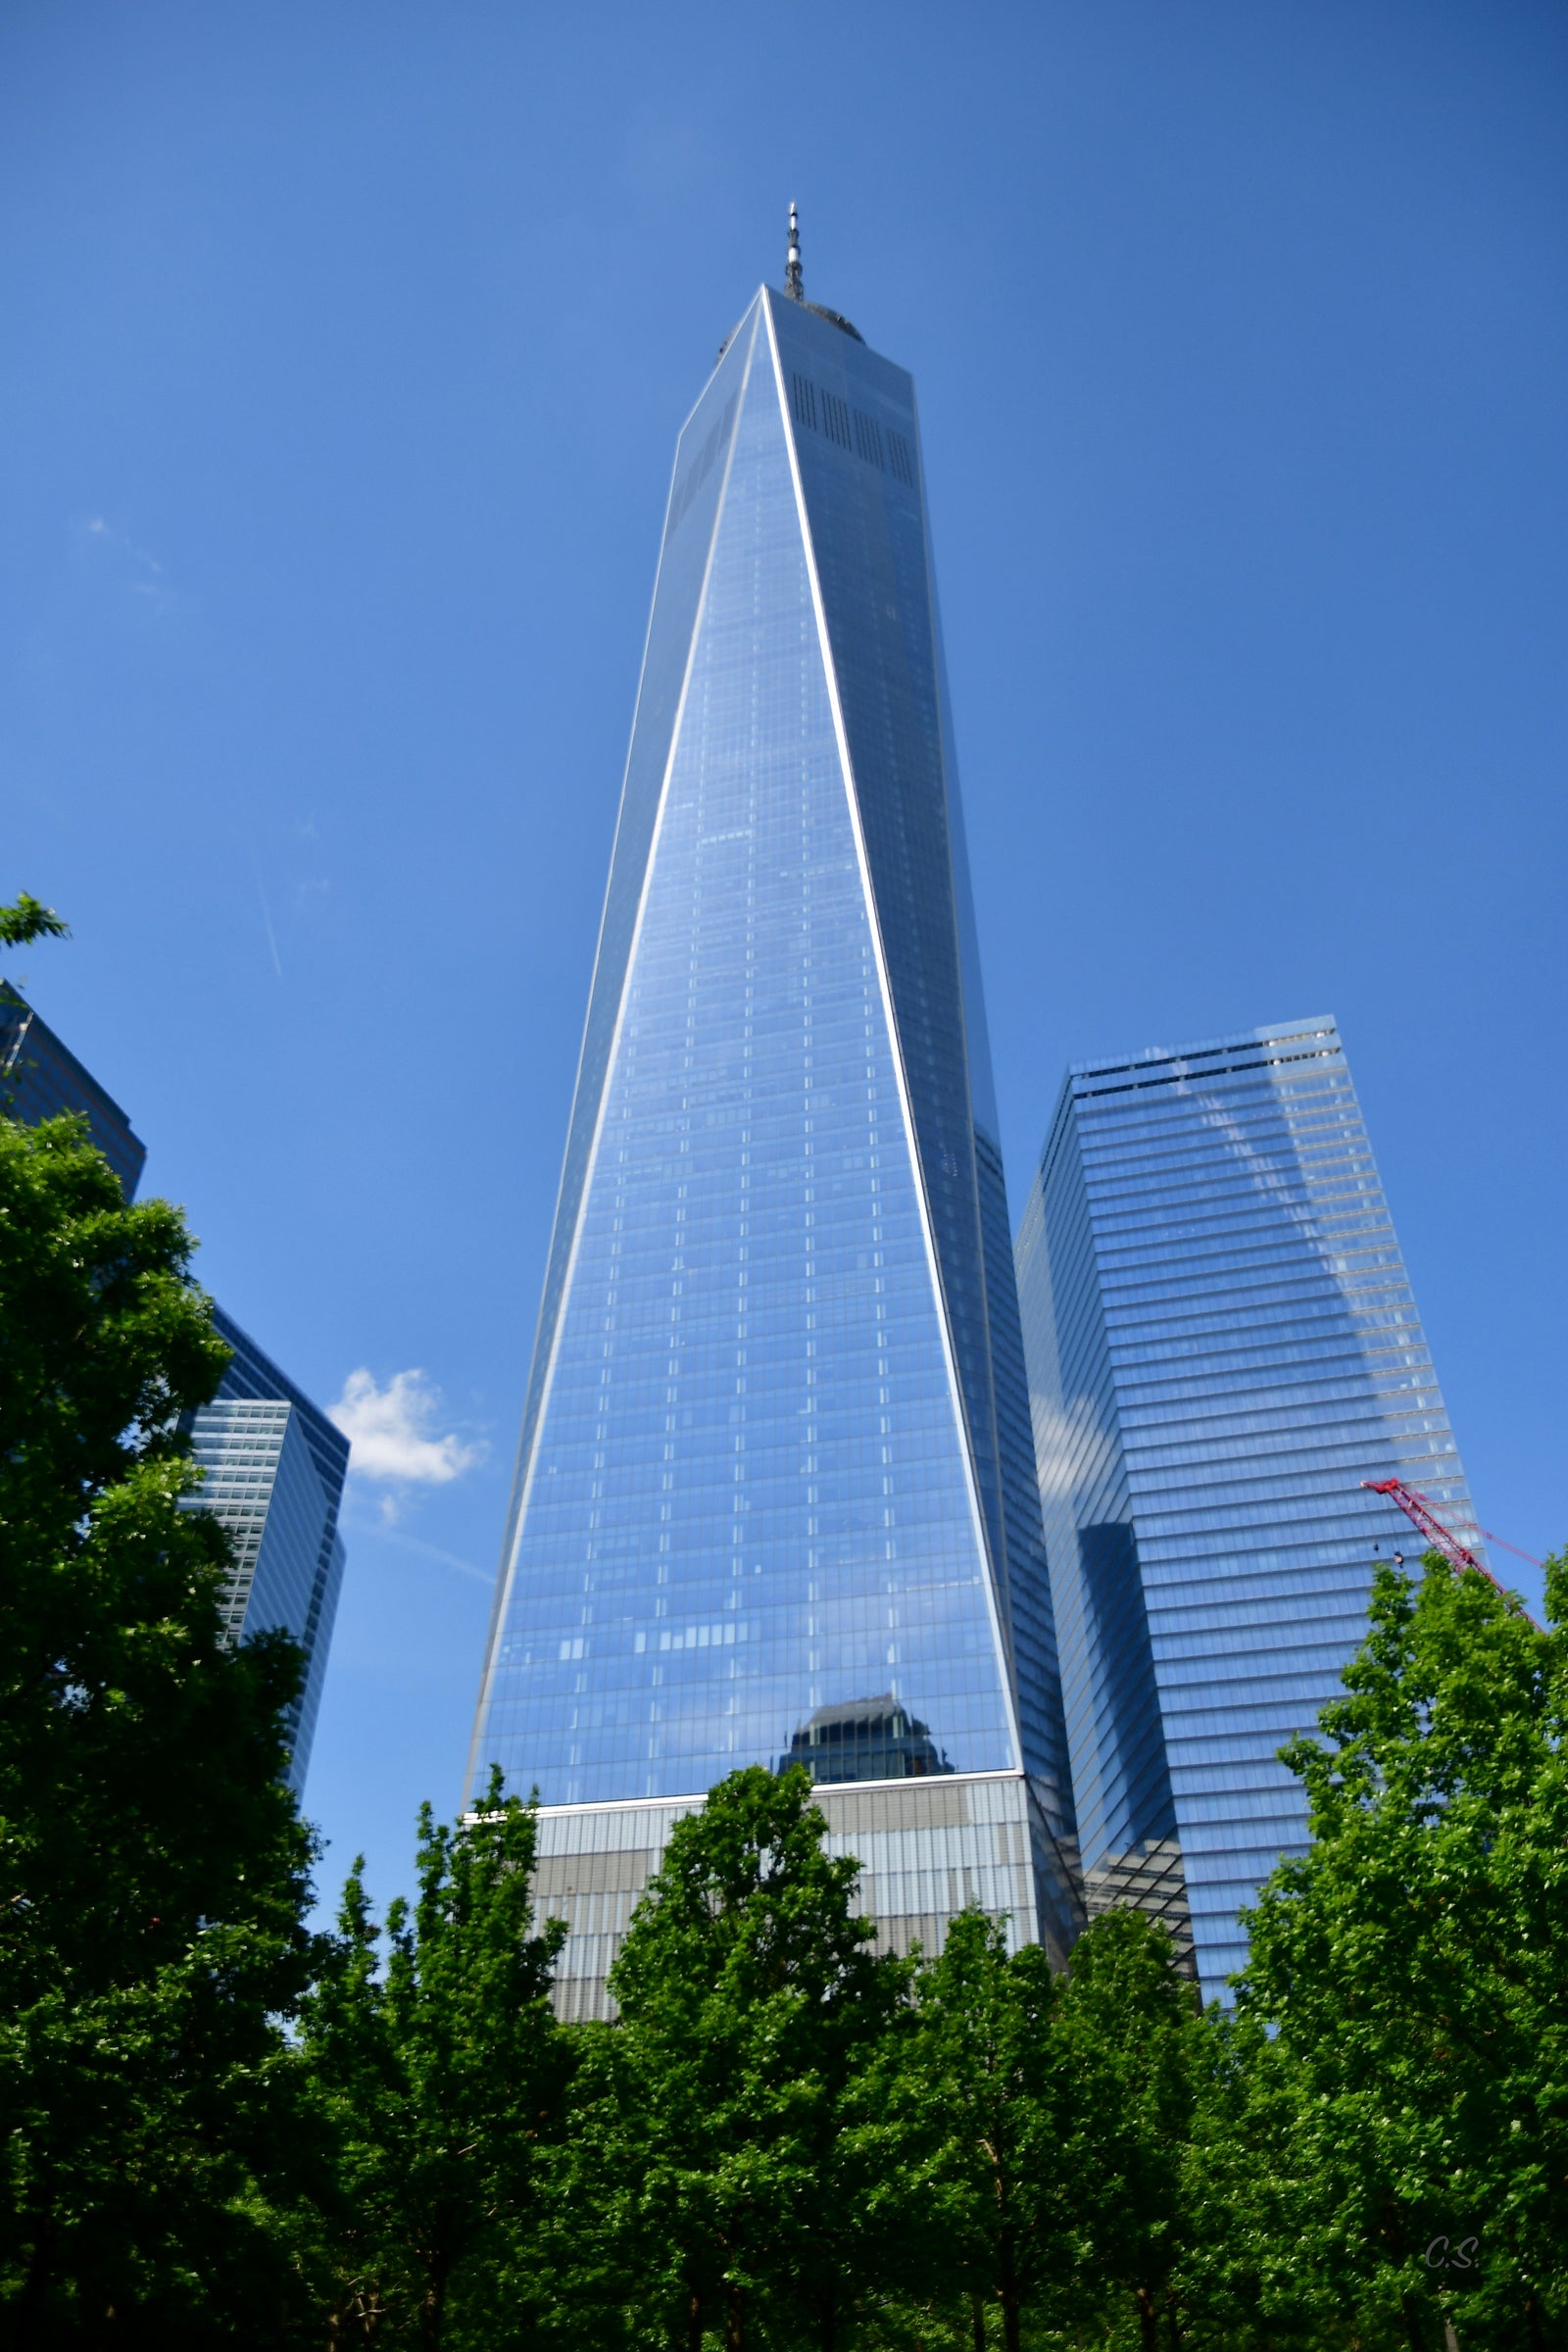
926	1849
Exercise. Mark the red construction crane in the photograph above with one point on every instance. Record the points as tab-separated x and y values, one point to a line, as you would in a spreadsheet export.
1420	1514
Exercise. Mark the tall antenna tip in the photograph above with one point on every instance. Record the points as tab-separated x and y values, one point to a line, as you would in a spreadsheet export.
794	282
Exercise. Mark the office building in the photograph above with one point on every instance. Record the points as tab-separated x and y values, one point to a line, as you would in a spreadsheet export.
1222	1344
776	1493
41	1077
274	1464
274	1470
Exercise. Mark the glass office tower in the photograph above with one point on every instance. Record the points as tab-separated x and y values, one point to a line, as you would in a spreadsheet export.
275	1471
275	1463
1222	1344
775	1494
41	1077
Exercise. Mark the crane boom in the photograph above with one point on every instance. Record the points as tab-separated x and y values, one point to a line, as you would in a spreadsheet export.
1418	1510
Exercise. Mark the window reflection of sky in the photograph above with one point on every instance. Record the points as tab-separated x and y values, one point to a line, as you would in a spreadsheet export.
1223	1344
750	1497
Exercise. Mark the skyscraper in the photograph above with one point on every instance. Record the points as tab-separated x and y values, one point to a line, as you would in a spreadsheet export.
1222	1344
775	1494
275	1471
275	1463
41	1077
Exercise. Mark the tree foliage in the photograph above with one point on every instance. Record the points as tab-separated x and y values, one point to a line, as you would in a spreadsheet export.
983	2103
27	918
216	2129
152	1871
1137	2018
438	2079
1412	1969
749	1996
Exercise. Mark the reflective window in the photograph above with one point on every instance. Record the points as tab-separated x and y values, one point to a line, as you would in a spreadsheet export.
755	1520
1222	1345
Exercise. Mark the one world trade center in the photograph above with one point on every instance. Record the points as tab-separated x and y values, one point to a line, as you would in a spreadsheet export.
775	1496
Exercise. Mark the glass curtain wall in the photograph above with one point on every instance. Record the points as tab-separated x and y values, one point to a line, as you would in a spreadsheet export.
276	1468
764	1505
1222	1344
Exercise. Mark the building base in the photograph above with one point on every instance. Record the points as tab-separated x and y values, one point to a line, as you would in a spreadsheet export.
928	1847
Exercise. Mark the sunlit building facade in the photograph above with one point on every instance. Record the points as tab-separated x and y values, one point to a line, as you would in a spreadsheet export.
274	1471
40	1078
273	1465
1222	1345
775	1494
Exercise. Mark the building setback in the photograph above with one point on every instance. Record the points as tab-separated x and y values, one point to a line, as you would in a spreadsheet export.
1222	1344
775	1494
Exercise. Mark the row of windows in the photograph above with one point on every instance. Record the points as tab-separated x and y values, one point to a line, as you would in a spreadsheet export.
1156	1385
851	428
1180	1083
1304	1294
1288	1089
1316	1141
1249	1042
1298	1125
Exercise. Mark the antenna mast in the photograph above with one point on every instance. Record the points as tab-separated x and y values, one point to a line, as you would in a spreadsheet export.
794	282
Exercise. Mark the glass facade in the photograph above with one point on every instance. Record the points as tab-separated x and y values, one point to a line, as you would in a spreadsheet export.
1222	1344
274	1464
41	1077
774	1477
274	1470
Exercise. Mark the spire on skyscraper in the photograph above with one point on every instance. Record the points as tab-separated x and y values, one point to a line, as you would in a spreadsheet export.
794	282
775	1495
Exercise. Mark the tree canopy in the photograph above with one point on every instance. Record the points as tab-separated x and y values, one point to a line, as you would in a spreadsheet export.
749	1995
1412	1969
153	1869
219	2129
438	2077
151	1861
27	918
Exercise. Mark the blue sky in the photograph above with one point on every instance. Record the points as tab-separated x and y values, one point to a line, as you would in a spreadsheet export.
346	349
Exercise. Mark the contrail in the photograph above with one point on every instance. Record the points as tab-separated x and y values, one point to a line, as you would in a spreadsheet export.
266	917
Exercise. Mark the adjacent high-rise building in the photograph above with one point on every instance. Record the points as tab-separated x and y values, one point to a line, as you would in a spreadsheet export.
274	1464
1222	1345
274	1469
41	1077
775	1495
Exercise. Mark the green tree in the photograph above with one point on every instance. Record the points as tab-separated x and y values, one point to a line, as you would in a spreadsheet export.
587	2263
1140	2019
439	2076
27	918
1412	1969
986	2173
1250	2269
153	1869
749	1997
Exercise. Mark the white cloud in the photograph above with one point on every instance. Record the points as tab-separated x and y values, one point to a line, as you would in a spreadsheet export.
392	1432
